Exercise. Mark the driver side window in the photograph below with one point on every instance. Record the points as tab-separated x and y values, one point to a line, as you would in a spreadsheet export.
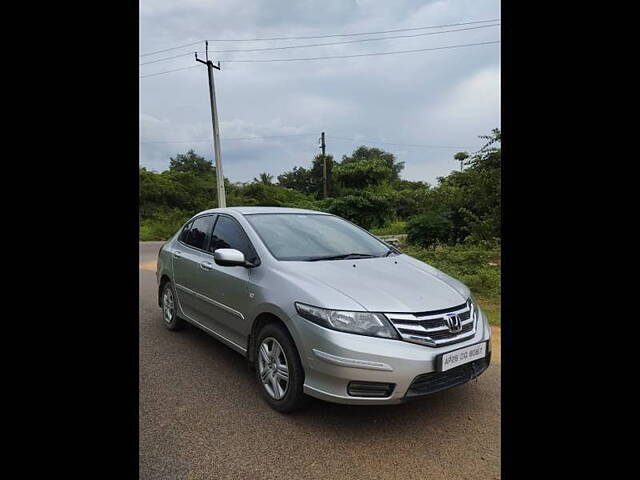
229	234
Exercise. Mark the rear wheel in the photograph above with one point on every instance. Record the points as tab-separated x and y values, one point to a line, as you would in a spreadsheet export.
169	308
278	369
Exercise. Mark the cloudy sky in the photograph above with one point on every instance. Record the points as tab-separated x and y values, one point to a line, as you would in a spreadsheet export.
418	101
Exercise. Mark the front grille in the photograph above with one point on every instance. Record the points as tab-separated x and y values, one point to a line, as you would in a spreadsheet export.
432	329
447	335
428	383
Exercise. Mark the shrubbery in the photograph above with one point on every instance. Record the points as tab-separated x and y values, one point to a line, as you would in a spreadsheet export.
162	224
397	227
475	265
366	208
364	188
429	228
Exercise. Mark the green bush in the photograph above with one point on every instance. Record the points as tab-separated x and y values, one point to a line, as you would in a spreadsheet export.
364	187
365	208
392	228
477	266
163	224
429	228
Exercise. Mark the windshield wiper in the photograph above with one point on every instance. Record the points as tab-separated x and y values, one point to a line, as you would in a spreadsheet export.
342	257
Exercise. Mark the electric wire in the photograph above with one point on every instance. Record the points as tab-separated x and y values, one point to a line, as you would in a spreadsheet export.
310	45
319	36
329	56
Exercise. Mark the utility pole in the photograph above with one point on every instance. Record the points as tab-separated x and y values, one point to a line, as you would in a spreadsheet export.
222	200
324	165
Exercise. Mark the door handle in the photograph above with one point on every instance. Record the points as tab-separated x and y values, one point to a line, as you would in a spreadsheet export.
206	265
177	254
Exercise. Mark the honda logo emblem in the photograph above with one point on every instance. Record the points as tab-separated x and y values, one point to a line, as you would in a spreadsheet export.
453	322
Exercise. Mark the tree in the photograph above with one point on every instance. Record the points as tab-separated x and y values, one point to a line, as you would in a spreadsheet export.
297	179
461	157
311	180
368	209
472	198
364	153
494	137
191	162
367	167
265	178
365	187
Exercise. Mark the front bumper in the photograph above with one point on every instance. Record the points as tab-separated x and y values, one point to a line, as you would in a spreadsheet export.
333	359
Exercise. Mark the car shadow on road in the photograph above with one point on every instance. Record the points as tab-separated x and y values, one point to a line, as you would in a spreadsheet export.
429	411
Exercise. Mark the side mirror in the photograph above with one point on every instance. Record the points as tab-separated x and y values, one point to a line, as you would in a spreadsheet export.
229	257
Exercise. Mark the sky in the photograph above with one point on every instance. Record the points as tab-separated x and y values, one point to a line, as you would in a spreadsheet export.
428	104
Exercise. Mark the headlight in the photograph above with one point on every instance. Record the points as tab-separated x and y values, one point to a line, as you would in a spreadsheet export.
362	323
473	305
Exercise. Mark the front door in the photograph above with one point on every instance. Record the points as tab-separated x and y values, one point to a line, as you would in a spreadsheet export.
228	287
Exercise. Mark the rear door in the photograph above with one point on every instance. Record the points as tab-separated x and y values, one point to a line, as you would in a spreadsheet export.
228	287
190	259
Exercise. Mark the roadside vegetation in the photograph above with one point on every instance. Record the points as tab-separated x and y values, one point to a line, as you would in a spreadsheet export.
453	225
477	266
398	227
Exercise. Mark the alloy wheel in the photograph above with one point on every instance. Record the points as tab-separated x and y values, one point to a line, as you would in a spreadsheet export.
273	368
168	305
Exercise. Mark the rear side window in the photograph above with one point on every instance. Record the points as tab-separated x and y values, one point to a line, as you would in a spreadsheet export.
184	232
229	234
197	234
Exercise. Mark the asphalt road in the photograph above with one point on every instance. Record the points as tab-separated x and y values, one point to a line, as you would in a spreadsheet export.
201	416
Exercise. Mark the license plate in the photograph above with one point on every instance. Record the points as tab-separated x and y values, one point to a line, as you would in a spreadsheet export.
461	356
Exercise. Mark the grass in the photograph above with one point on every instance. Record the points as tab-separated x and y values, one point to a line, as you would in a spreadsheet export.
151	231
162	225
393	228
476	266
491	308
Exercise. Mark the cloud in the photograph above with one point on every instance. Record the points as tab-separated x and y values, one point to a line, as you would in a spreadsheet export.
446	97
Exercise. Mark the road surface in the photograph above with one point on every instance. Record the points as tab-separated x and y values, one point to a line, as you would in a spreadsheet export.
202	417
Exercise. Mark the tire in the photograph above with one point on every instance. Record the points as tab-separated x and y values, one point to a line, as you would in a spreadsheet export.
274	348
169	310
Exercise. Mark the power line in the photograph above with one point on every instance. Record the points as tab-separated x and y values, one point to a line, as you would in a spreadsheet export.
362	140
324	44
331	57
360	54
318	36
354	140
231	138
349	34
169	49
168	58
167	71
353	41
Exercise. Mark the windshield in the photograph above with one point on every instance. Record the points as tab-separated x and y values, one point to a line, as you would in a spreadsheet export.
313	237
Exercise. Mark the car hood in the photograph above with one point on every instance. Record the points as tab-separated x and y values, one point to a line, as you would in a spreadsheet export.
390	284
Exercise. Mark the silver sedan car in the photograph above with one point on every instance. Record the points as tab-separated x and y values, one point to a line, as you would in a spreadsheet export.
320	307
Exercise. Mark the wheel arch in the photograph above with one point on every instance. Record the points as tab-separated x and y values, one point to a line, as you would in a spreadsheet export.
163	280
259	322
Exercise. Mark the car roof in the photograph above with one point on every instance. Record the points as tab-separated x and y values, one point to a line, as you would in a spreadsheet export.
251	210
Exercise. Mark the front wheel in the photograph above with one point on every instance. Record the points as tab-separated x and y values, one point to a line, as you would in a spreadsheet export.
278	369
169	308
